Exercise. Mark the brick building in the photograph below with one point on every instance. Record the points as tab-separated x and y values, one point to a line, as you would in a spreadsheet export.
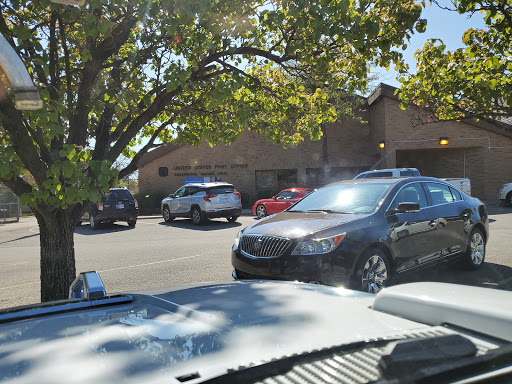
481	151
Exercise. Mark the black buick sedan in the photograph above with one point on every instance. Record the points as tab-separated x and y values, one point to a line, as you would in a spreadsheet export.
361	233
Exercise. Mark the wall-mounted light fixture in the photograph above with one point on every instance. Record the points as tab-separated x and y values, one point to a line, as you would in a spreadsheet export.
443	141
382	144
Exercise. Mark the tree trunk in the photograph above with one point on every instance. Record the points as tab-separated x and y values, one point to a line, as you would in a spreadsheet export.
325	155
56	228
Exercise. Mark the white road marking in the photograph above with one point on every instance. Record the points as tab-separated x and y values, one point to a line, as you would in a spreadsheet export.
112	269
19	285
505	281
146	264
13	264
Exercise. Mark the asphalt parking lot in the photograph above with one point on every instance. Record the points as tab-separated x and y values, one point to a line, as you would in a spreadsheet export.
158	254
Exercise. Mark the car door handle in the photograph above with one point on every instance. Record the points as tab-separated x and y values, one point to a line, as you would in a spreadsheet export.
432	223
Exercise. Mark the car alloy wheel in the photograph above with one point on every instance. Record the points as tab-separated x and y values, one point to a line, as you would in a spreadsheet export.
372	273
167	215
92	221
476	249
197	217
261	211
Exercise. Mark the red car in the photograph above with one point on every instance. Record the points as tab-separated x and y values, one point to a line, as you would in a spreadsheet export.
279	202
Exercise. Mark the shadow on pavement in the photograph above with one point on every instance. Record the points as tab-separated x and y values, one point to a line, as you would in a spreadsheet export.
495	209
210	225
19	238
102	228
489	276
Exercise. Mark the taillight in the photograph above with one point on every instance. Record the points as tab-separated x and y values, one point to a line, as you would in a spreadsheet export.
136	203
207	197
99	206
239	195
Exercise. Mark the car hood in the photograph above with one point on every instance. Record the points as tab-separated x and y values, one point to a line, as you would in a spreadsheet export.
204	330
298	224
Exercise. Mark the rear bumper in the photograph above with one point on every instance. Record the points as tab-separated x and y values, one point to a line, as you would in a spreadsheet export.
120	216
223	213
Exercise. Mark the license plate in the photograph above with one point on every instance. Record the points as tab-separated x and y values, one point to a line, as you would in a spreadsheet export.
120	206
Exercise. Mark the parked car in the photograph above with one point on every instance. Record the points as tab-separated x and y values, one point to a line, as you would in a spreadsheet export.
284	199
361	233
464	184
117	205
203	201
390	172
505	194
260	332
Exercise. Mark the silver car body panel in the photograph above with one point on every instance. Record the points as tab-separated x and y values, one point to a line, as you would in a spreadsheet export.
207	330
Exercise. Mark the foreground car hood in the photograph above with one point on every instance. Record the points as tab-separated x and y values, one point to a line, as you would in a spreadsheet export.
207	329
298	224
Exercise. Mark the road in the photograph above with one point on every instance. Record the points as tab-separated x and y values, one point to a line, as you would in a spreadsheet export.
155	254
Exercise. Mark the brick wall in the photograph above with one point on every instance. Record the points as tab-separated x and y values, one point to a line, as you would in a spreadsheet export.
350	145
238	162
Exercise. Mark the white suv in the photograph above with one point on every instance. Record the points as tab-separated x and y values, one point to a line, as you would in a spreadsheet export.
392	172
505	194
202	201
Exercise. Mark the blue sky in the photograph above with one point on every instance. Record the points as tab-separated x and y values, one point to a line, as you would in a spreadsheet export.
442	24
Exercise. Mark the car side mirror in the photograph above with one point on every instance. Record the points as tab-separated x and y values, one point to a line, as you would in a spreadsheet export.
405	208
88	285
171	195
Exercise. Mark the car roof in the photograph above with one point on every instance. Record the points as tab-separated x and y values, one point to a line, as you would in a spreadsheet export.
209	185
390	169
390	180
297	189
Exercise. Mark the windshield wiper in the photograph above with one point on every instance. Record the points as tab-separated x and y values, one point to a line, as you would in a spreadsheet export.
327	211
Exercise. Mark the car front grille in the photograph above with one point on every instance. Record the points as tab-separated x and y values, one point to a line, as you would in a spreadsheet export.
264	246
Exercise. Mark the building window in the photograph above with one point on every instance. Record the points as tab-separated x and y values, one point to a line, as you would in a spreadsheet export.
314	177
273	181
163	171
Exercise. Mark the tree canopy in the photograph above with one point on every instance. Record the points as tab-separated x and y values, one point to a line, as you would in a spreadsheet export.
474	81
120	75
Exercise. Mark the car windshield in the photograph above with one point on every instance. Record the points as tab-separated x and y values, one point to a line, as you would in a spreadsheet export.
123	195
220	190
344	198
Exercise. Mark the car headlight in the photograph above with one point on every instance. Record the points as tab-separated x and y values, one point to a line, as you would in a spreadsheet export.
318	246
237	241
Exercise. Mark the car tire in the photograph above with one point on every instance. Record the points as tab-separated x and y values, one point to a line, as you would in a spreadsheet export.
509	198
131	223
372	272
261	211
475	251
232	219
167	214
92	221
197	216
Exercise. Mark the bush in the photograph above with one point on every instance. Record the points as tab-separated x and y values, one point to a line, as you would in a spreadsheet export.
149	203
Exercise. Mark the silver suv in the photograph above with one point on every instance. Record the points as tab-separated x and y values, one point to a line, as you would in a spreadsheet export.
202	201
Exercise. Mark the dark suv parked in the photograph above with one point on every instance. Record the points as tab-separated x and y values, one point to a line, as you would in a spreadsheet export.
117	205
